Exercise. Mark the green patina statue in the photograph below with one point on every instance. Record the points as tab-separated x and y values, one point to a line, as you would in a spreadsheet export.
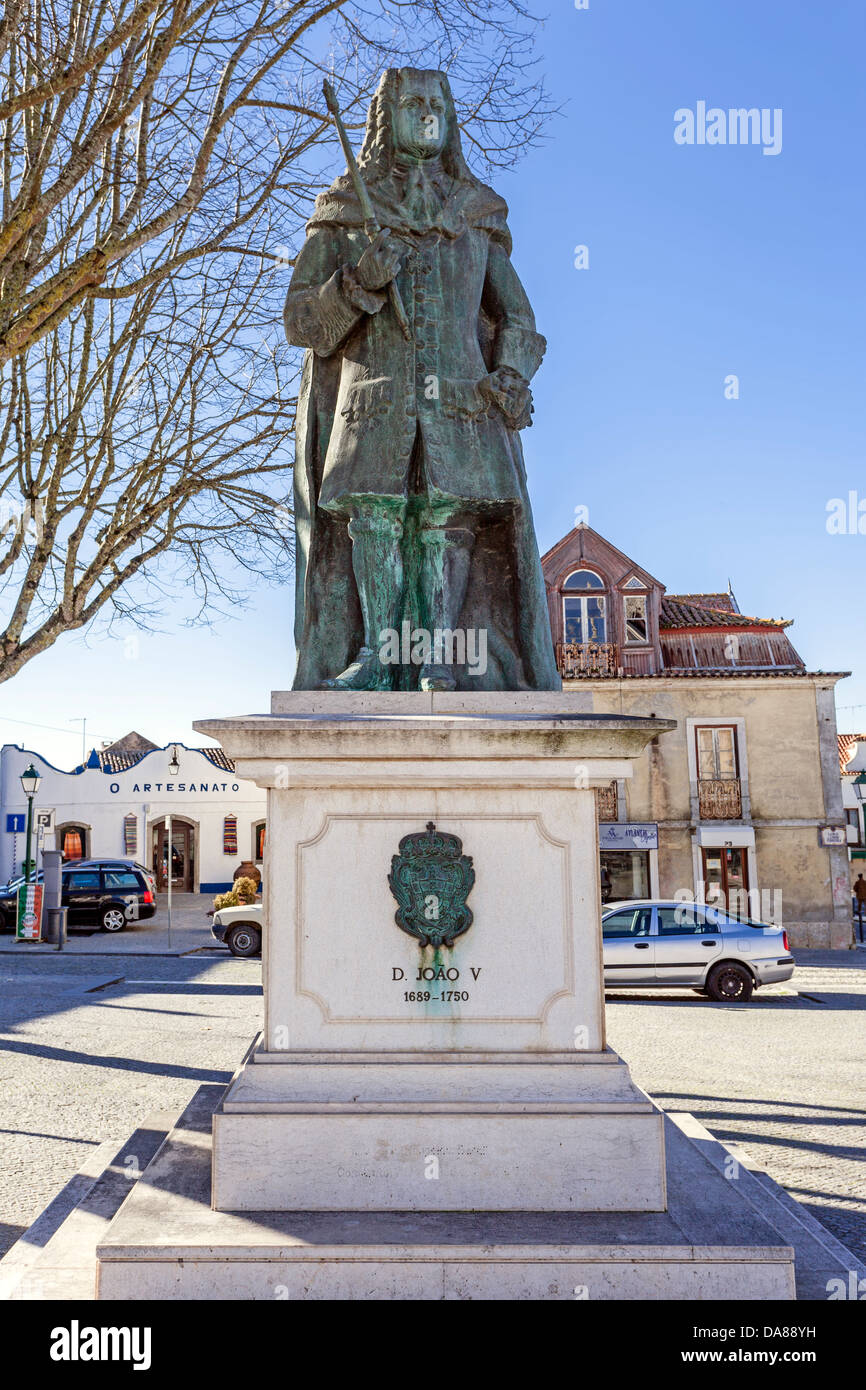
417	564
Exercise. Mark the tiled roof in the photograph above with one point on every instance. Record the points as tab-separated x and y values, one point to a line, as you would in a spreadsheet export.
118	762
132	742
677	613
722	601
218	758
847	744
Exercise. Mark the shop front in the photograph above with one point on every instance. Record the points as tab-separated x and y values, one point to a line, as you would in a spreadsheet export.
174	810
628	853
182	854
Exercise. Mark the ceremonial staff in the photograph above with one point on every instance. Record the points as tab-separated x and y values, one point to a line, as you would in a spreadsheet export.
371	226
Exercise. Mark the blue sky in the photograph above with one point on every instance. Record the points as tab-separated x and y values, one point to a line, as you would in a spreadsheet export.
704	261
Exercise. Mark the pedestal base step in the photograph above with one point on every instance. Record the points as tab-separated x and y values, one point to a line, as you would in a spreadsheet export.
446	1132
167	1242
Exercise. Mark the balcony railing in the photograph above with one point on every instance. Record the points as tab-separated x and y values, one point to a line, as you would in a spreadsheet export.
579	659
719	798
605	802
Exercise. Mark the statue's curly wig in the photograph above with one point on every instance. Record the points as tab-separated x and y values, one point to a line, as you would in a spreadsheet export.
377	151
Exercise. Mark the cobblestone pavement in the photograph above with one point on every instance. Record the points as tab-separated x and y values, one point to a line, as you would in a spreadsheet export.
785	1076
83	1059
89	1047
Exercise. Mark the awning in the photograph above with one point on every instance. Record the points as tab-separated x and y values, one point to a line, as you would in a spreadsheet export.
725	836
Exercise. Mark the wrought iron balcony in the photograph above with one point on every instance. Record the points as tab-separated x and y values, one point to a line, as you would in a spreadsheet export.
579	659
719	798
605	802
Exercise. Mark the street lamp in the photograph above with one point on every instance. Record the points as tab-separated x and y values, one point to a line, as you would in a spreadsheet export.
30	780
174	765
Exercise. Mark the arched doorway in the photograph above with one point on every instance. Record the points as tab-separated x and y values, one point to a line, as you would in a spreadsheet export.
182	855
73	841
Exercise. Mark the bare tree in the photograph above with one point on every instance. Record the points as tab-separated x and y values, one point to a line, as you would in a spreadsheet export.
158	161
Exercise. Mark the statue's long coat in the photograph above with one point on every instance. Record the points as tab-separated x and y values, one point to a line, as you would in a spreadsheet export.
366	392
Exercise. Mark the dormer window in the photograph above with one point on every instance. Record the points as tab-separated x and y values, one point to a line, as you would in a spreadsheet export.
583	607
635	618
604	610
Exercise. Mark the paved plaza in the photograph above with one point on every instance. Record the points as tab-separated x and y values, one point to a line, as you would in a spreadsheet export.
785	1077
91	1046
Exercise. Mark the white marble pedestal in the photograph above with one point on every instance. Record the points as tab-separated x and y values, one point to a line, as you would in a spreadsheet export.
499	1083
495	1096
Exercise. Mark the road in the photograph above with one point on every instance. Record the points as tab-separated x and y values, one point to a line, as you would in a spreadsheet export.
784	1076
90	1045
190	931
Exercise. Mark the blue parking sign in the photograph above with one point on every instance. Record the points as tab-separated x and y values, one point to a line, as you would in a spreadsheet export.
15	822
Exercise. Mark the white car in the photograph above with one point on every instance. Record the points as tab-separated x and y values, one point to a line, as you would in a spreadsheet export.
240	928
659	944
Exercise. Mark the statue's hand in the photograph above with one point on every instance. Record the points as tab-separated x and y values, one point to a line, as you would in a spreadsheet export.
379	263
507	389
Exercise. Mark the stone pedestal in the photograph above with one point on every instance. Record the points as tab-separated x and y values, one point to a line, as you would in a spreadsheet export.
460	1133
403	1077
396	1083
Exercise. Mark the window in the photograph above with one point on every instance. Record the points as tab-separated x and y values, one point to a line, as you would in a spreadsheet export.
72	842
717	753
259	836
636	625
83	879
853	819
121	878
634	922
583	608
685	920
583	579
726	878
626	873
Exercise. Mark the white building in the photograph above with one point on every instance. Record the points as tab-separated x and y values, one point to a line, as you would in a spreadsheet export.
852	762
117	803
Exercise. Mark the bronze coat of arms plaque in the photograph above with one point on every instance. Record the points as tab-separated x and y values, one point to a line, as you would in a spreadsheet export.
431	878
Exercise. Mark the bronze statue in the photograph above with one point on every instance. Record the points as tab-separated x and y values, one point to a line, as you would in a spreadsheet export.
414	528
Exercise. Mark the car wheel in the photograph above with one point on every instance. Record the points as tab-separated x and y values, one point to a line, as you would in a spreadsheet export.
244	941
113	919
730	984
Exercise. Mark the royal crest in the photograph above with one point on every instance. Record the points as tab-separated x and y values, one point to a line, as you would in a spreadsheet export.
431	878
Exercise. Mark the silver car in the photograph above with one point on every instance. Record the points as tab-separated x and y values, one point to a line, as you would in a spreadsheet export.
663	944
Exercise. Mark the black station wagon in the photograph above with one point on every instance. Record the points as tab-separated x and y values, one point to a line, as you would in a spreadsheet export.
107	893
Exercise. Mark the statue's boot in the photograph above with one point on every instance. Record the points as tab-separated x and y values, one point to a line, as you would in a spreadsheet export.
445	555
378	566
